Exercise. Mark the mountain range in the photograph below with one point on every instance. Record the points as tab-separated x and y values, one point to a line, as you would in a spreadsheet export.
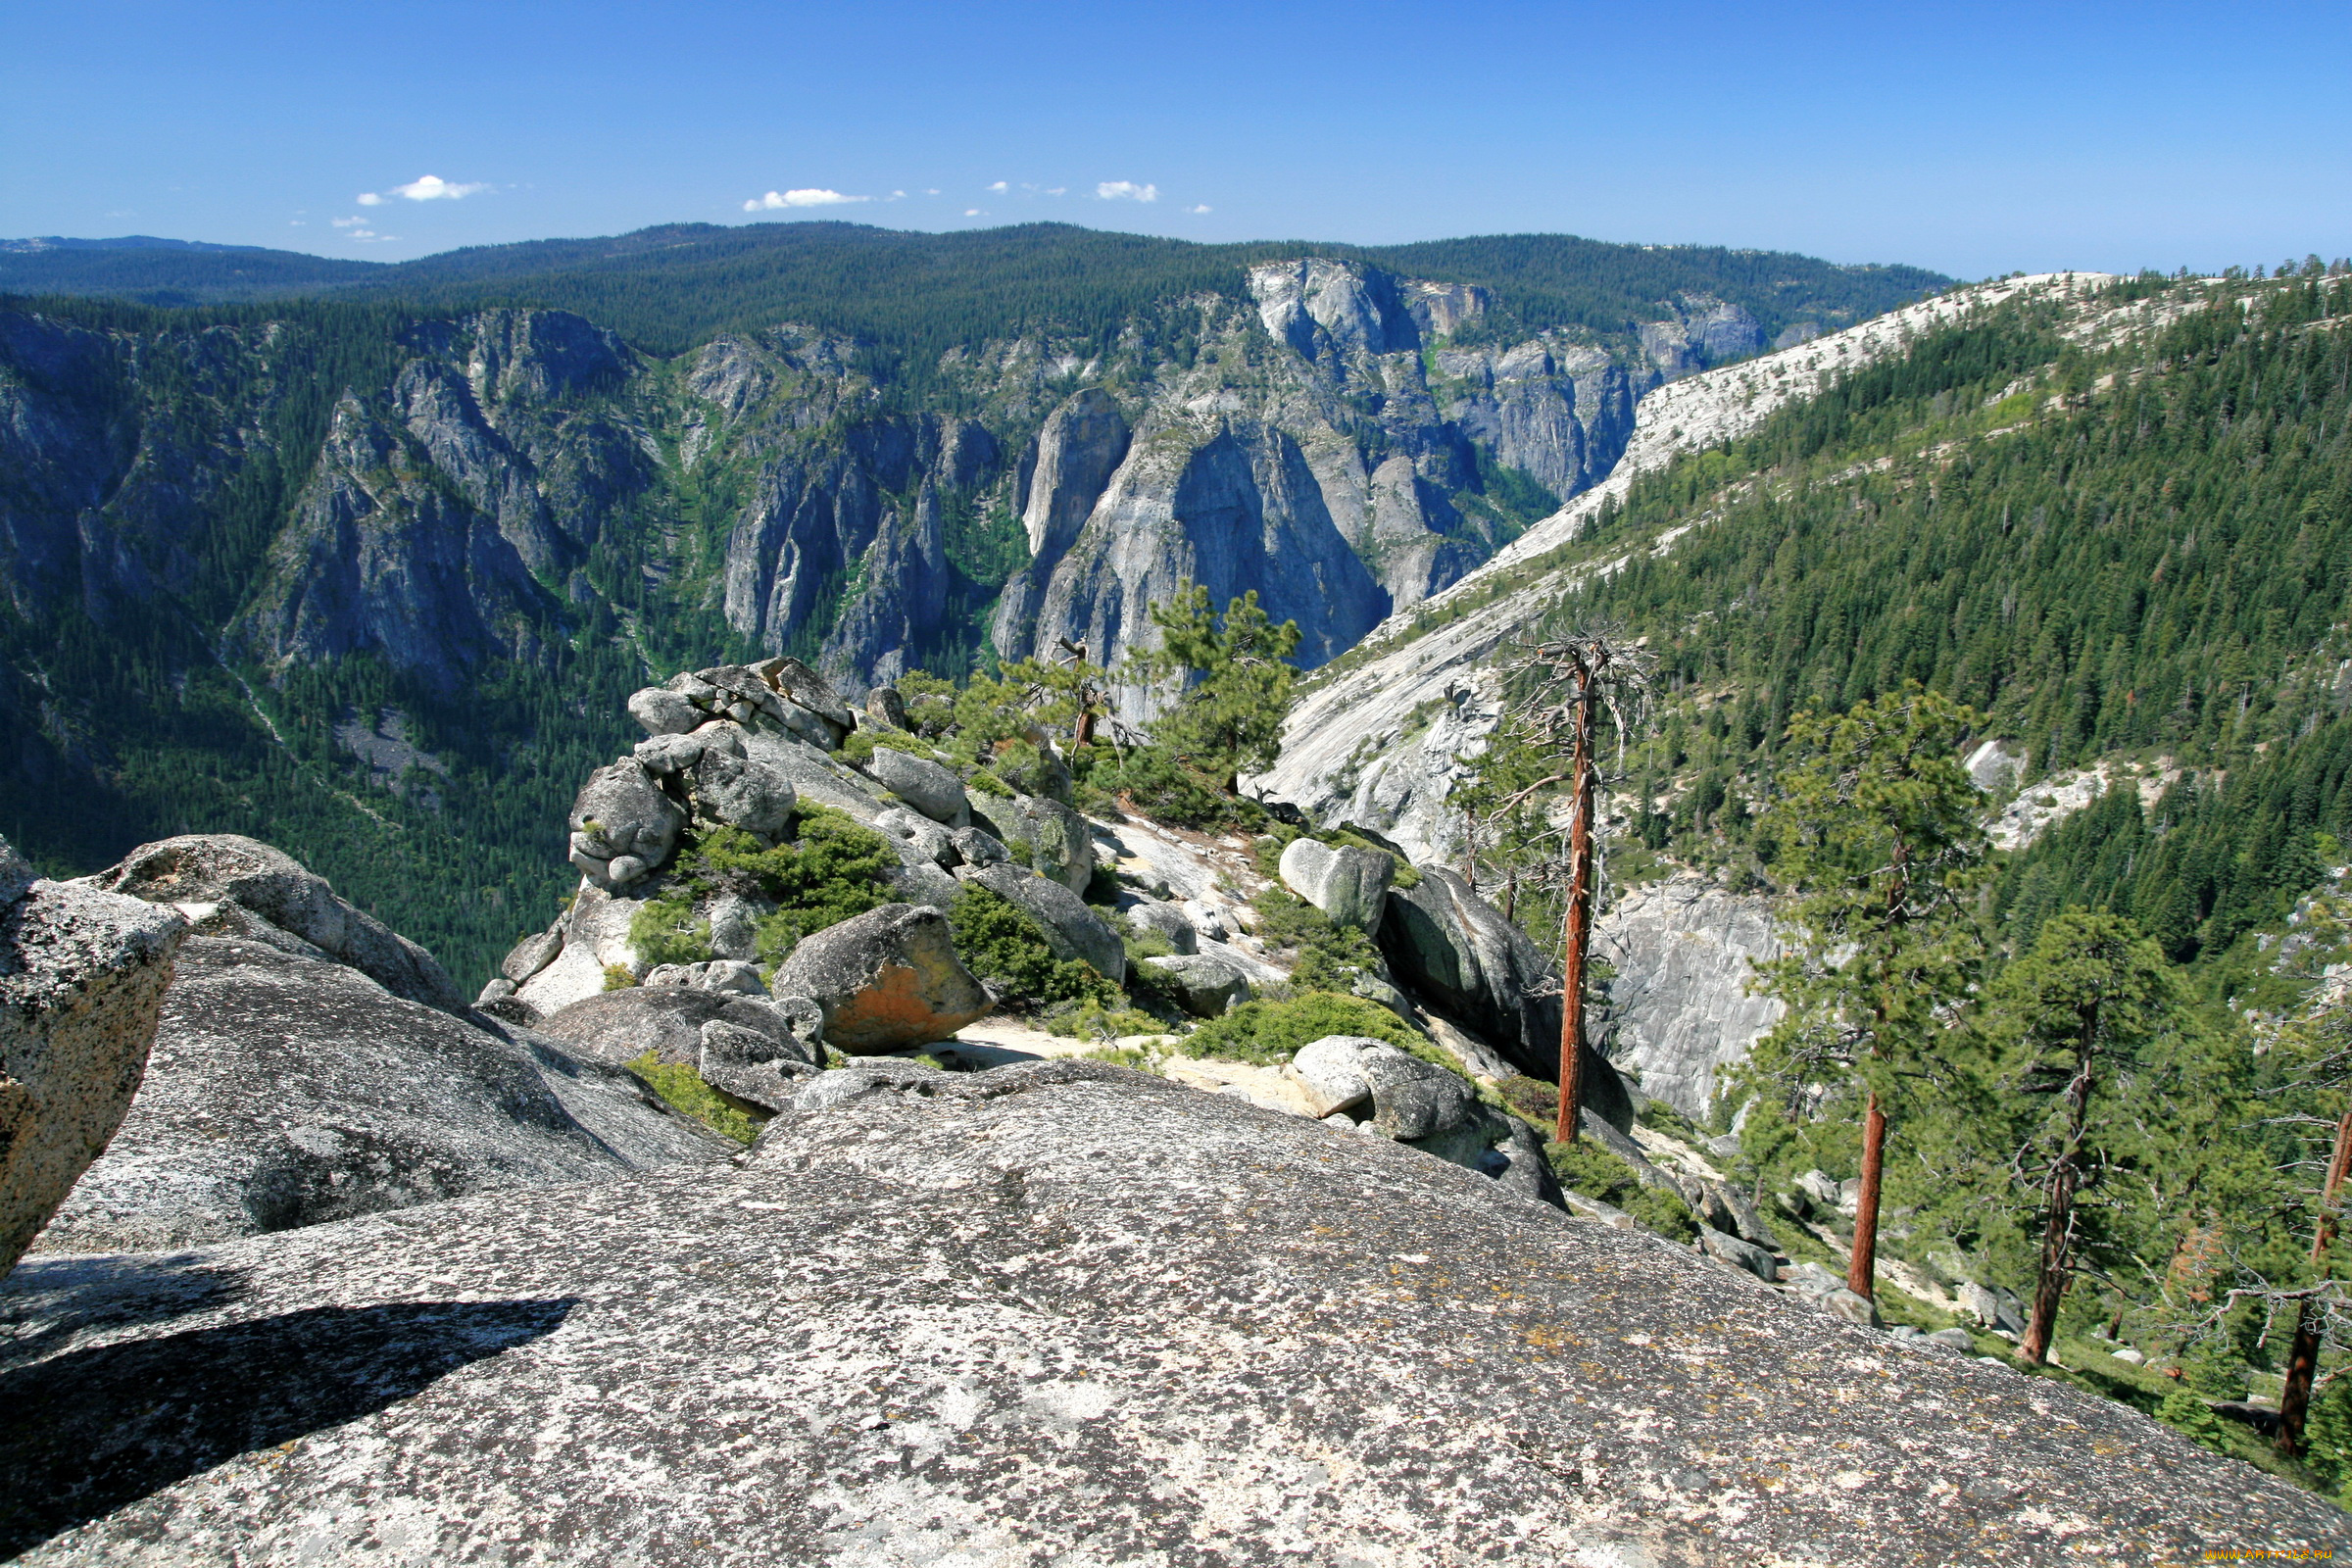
360	557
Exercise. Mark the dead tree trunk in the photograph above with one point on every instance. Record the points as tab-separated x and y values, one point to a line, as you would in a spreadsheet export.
1578	921
1862	1269
2058	1222
2303	1360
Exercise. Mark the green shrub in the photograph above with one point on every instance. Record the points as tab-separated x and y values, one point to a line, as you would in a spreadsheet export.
1330	957
1164	787
983	782
665	931
2193	1418
1271	1032
1092	1021
857	747
2328	1436
1003	945
684	1090
1585	1166
1102	887
617	977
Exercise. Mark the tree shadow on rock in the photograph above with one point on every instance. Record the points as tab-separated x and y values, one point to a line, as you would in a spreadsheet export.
85	1432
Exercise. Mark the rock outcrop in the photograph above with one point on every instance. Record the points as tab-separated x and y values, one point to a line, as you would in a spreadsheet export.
82	975
1049	1313
1678	1010
232	886
1348	885
1463	960
286	1091
886	979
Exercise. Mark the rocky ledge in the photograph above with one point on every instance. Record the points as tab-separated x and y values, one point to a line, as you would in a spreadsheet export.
1061	1313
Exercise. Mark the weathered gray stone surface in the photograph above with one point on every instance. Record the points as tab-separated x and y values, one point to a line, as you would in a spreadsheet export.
922	784
1348	884
744	794
285	1090
1162	919
272	887
750	1064
622	825
82	975
618	1026
1459	956
1679	1011
886	979
1044	1315
1062	846
1205	985
1732	1249
1073	930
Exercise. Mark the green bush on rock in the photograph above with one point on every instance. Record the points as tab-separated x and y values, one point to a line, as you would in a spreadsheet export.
684	1090
1006	948
1272	1032
1585	1167
827	871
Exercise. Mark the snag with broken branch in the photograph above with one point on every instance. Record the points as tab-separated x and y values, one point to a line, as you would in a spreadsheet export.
1562	690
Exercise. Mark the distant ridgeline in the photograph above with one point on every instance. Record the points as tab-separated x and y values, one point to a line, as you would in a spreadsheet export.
361	559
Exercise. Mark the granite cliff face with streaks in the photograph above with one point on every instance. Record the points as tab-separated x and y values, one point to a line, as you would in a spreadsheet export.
1043	1314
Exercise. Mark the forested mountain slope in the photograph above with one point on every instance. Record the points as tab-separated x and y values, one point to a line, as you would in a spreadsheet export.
2116	516
370	579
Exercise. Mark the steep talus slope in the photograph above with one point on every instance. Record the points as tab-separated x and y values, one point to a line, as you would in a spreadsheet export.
1376	741
1060	1312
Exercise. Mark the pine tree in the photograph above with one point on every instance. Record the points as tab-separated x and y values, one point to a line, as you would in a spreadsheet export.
1235	676
2071	1017
1877	840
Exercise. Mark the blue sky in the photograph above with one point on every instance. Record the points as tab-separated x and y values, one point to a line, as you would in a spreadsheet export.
1974	139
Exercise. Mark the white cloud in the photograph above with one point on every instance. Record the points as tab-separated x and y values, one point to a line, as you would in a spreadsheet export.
1126	190
810	197
1057	190
931	193
348	222
971	211
426	188
898	195
1203	208
998	187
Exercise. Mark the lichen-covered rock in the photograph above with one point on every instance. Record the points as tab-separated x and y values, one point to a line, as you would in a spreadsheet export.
922	784
1205	985
930	843
886	979
622	815
223	870
1348	884
618	1026
1062	846
82	975
1456	954
744	794
1072	929
1051	1313
1157	917
976	848
663	712
285	1090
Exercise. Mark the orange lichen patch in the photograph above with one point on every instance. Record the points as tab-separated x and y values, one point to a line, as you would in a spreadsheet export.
893	1011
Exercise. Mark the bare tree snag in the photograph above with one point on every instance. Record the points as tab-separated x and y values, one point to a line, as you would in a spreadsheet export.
2303	1360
